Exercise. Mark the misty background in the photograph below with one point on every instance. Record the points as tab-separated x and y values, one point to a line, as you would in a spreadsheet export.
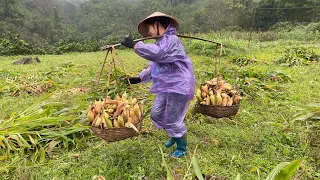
38	25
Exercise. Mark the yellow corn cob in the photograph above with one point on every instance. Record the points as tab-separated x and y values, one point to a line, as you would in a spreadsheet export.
203	94
198	95
205	89
211	92
98	106
230	101
236	99
124	96
133	115
137	111
98	121
219	98
108	121
121	121
213	99
104	123
225	101
141	108
90	114
116	123
134	100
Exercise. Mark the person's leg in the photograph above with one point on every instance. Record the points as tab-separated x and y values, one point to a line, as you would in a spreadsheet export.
175	111
169	143
158	111
181	146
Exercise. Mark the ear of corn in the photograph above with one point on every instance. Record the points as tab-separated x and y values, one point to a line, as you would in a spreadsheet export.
98	106
124	96
90	114
108	113
212	99
198	95
219	98
204	88
116	123
121	121
217	92
225	101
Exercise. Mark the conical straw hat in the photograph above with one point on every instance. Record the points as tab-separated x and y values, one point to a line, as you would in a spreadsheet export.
143	27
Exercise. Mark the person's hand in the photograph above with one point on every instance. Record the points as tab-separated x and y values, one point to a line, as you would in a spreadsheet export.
133	80
128	42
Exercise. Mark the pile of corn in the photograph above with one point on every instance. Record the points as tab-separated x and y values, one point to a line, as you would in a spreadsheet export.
217	92
122	111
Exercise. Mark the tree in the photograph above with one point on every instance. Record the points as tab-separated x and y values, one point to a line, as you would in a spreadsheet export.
57	27
10	9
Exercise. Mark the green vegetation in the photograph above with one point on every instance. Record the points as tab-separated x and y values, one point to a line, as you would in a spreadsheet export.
43	107
278	119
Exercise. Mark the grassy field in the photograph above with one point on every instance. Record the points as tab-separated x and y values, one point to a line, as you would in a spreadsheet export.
263	133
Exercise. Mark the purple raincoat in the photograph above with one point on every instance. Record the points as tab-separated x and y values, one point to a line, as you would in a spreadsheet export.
173	79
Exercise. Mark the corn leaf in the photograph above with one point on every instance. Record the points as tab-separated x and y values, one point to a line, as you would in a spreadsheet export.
16	138
3	158
35	155
304	117
289	170
314	105
275	171
238	177
42	155
164	163
6	142
196	168
1	141
23	141
22	128
35	105
32	140
52	144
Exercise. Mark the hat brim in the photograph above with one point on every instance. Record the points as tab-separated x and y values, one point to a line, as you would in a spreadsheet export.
143	27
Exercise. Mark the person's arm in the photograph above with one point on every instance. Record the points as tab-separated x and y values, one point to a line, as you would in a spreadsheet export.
156	52
145	75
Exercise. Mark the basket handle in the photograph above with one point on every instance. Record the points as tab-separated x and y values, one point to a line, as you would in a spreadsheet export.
112	66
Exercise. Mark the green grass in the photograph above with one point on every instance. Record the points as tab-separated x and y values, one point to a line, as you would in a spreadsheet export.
262	135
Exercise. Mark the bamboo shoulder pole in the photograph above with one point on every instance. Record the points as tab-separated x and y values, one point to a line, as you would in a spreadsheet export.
155	37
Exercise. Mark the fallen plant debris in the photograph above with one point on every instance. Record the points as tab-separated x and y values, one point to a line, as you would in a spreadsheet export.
297	56
79	90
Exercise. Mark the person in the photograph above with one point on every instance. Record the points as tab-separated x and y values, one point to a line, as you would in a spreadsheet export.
171	72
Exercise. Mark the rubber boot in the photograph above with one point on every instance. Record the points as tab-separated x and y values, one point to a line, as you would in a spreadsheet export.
181	146
170	143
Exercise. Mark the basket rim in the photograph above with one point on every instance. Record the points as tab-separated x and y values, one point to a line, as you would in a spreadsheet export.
220	105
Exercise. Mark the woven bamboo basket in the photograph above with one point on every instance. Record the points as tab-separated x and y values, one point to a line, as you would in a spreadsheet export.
117	134
219	111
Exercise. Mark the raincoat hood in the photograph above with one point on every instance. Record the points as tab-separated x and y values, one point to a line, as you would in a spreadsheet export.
171	30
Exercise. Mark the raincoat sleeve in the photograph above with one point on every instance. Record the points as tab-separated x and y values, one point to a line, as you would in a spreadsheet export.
156	52
145	74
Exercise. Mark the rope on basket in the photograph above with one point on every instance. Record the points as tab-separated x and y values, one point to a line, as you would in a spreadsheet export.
112	66
217	66
99	77
219	62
